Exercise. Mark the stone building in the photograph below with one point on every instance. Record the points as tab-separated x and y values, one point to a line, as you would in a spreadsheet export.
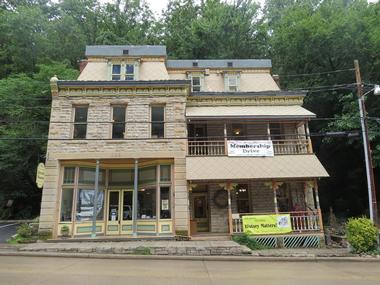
175	144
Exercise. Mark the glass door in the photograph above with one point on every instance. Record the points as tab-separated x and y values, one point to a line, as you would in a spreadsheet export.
126	215
113	212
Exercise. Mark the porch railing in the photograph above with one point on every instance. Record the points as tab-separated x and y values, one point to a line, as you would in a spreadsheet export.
301	222
218	147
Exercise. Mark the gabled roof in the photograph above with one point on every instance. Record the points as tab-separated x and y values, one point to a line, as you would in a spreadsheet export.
219	63
105	50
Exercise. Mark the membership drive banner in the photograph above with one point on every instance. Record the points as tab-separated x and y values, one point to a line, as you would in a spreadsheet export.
250	148
267	224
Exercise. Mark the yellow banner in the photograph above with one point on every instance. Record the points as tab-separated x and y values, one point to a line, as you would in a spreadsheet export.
267	224
40	176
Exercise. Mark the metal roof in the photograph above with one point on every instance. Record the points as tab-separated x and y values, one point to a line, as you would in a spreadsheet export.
219	63
257	112
105	50
279	166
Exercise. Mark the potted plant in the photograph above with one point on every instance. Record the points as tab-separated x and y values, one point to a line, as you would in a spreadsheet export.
65	231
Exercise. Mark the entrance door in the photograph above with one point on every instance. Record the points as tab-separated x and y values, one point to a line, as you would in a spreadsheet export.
200	211
119	212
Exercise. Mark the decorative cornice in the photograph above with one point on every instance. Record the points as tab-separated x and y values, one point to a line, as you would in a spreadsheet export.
245	101
122	91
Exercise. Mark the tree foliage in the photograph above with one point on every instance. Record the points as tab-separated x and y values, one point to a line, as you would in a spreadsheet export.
40	38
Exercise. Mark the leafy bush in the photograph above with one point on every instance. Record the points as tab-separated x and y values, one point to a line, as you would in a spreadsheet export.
247	241
24	231
65	231
45	235
362	235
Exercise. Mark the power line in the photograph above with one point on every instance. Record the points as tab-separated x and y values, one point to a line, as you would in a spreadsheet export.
316	73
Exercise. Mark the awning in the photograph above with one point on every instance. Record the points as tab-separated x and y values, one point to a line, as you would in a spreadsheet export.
293	111
280	166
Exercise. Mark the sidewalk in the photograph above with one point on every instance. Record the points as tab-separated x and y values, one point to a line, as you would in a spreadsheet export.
179	250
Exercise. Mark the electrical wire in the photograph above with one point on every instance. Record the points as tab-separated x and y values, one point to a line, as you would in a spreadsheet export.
316	73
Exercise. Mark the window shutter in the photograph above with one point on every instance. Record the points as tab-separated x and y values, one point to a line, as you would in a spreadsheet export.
137	71
202	82
109	70
226	82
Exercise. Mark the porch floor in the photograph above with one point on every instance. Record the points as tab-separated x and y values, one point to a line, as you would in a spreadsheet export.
210	236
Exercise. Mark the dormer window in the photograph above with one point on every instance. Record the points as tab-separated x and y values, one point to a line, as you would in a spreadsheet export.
196	82
124	71
231	82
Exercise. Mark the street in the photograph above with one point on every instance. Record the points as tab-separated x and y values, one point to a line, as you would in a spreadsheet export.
50	270
7	230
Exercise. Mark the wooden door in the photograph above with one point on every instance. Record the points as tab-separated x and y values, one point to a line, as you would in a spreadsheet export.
201	211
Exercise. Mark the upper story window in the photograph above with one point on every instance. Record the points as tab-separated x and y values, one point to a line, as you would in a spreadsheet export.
196	82
231	82
80	122
158	121
118	122
124	71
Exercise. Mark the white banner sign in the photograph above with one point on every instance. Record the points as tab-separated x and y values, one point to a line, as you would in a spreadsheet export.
250	148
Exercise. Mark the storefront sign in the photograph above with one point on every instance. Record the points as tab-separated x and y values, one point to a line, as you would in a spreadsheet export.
40	176
250	148
267	224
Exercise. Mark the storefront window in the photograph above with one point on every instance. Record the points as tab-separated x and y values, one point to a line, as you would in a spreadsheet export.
68	175
127	205
147	175
87	176
165	173
165	203
120	177
66	204
85	205
242	198
146	204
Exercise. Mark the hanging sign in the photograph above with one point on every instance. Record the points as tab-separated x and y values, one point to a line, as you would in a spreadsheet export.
250	148
165	205
40	176
267	224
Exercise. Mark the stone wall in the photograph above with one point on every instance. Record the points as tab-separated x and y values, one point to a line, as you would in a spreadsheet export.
100	146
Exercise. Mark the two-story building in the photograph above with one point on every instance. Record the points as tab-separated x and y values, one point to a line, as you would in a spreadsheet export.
182	147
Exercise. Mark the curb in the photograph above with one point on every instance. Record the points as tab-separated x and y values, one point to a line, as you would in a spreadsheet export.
190	258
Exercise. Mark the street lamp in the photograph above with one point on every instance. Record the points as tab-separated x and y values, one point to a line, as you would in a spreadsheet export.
366	144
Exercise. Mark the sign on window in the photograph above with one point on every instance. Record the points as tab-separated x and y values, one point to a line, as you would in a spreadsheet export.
250	148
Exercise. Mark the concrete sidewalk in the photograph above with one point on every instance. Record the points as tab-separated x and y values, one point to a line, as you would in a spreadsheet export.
176	248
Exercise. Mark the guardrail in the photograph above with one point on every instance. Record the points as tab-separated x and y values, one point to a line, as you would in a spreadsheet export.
218	147
301	221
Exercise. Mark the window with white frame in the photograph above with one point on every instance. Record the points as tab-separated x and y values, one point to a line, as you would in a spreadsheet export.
124	71
231	82
196	83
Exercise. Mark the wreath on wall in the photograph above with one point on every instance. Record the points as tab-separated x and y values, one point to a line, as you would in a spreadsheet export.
221	199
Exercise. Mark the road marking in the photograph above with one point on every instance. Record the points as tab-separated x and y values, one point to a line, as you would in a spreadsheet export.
8	225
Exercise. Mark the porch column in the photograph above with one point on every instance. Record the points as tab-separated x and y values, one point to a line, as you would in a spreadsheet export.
274	188
309	145
134	200
268	131
318	206
225	138
229	211
95	207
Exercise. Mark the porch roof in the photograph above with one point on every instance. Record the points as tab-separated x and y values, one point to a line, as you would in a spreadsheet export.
277	167
292	111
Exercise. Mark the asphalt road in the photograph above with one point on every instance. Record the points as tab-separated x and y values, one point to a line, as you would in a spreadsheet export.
50	270
7	230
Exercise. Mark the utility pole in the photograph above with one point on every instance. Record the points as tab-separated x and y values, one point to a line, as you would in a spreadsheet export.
366	147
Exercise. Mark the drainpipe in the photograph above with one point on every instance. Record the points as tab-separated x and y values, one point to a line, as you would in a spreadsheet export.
135	201
94	212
